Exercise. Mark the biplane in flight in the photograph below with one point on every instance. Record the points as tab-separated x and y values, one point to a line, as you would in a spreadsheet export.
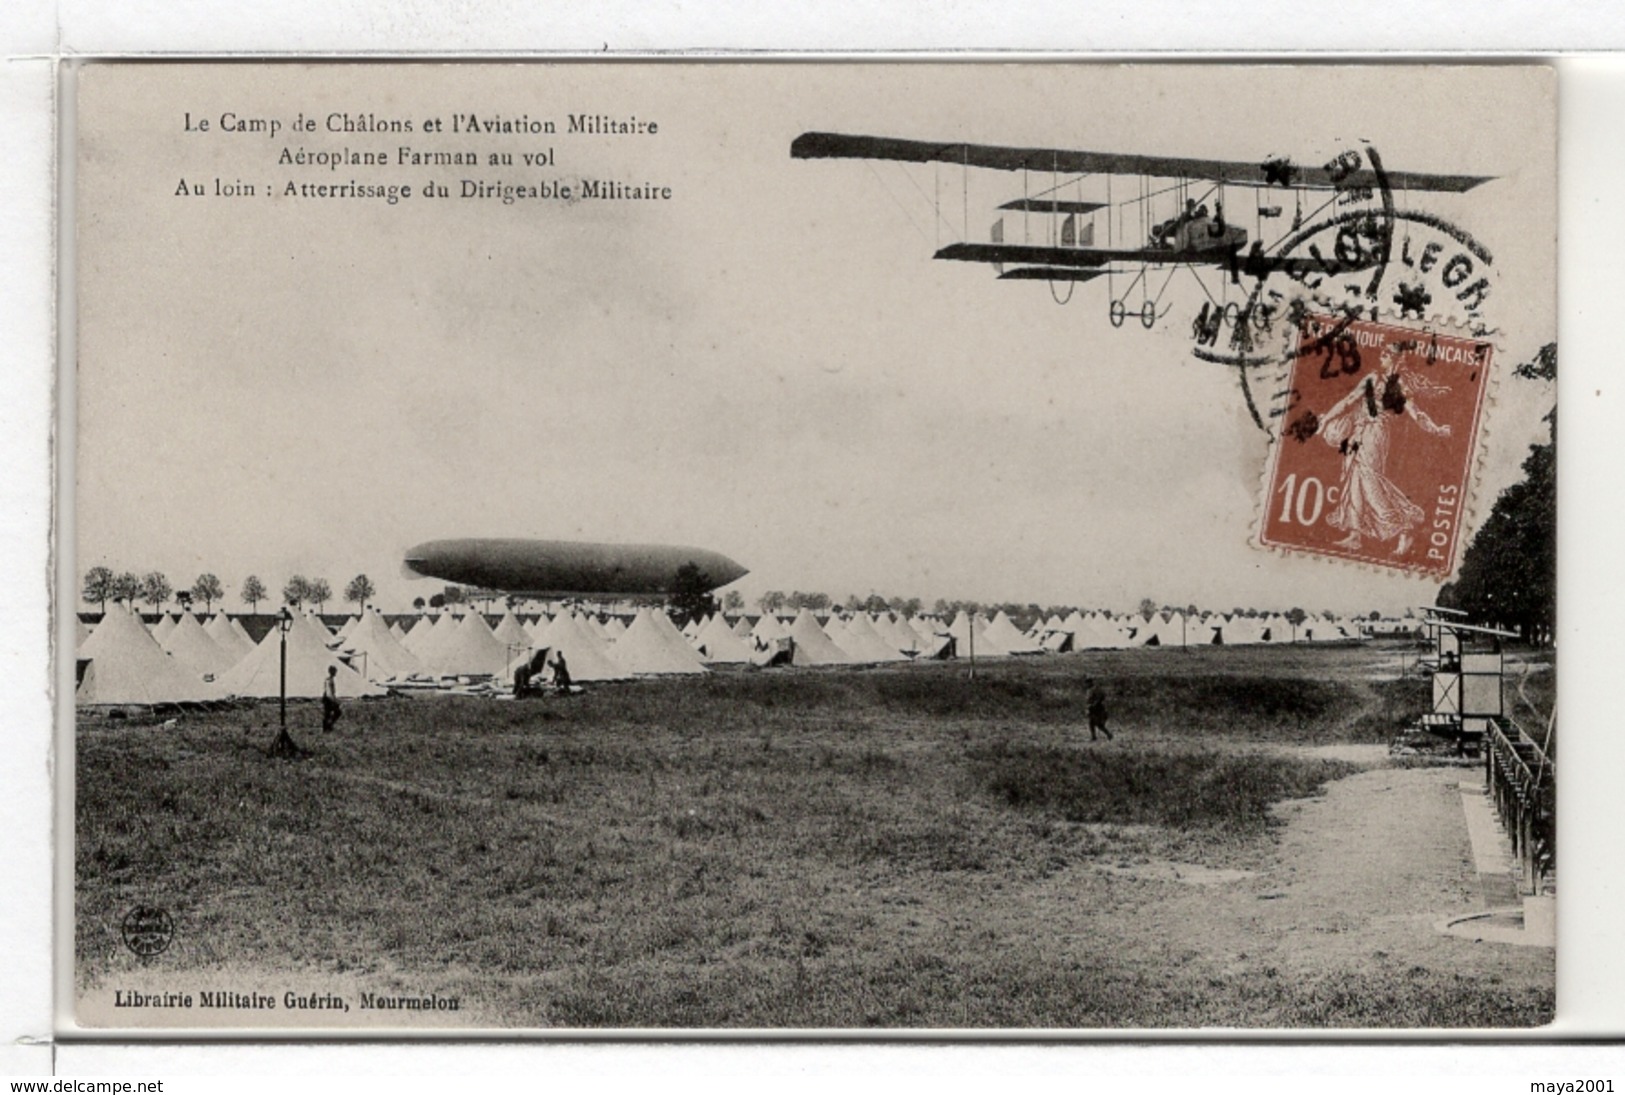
1166	223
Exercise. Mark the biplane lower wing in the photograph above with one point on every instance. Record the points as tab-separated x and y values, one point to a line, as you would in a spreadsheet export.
1052	273
1030	255
1094	258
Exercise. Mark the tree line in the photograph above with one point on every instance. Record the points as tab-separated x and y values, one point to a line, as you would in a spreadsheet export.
1508	575
1024	615
102	584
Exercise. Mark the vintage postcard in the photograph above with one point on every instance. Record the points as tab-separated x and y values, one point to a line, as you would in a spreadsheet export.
793	546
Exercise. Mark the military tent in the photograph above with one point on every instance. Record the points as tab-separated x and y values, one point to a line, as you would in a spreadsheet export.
376	653
469	650
586	656
864	644
717	643
813	645
927	629
439	635
123	664
769	628
835	628
1003	632
259	674
971	637
898	634
229	636
417	635
192	647
653	645
510	632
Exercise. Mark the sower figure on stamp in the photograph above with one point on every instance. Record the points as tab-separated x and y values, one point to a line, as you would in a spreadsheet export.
1359	426
331	711
1096	704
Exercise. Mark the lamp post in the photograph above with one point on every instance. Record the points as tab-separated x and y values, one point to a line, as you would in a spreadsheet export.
284	624
284	745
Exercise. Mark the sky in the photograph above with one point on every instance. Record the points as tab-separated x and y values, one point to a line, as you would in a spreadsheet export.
769	365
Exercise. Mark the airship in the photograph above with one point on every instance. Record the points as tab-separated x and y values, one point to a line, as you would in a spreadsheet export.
566	568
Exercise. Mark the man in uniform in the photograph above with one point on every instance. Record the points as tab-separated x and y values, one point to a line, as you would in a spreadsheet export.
1096	704
331	711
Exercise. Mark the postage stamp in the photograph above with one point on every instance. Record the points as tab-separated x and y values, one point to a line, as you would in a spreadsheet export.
1376	448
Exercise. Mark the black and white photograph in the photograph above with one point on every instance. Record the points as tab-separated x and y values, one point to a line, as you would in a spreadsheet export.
861	548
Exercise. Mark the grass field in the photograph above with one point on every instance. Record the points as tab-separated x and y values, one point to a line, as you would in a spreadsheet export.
854	848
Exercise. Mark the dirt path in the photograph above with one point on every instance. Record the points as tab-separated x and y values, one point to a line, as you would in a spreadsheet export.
1355	887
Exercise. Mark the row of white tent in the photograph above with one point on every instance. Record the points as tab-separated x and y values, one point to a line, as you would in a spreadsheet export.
182	659
1101	630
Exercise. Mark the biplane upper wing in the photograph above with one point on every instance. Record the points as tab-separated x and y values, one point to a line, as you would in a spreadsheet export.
812	146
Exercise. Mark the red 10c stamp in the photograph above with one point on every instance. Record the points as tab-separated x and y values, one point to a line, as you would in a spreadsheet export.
1376	444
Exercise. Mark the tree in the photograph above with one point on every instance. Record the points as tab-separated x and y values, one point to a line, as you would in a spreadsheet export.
911	607
734	602
208	589
1295	617
1148	607
183	598
1374	616
360	590
126	587
811	601
98	587
1509	572
691	593
874	604
254	592
437	601
940	607
155	589
454	595
297	591
419	604
771	601
320	592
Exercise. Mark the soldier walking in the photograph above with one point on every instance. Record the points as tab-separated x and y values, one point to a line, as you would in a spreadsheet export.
1096	703
331	711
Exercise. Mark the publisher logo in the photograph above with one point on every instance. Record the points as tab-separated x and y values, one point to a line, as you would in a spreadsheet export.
147	930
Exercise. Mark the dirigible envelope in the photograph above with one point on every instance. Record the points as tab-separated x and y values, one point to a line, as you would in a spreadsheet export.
567	567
